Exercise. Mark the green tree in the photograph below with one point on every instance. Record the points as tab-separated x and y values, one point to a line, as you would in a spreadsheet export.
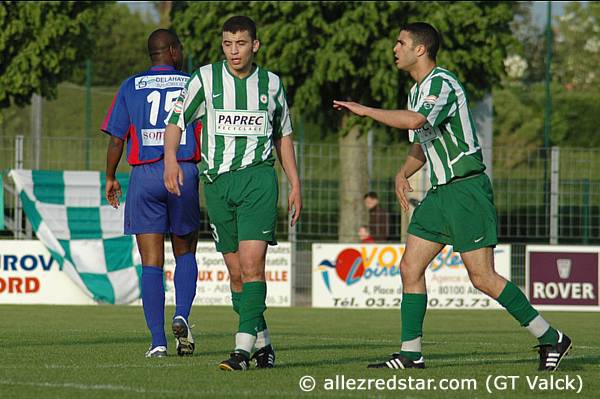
40	44
120	46
577	46
343	50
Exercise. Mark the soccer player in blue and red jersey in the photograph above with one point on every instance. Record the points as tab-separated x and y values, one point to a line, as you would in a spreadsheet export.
137	116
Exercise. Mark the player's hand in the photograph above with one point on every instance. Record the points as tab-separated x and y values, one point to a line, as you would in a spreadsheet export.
173	177
402	187
294	205
351	106
113	192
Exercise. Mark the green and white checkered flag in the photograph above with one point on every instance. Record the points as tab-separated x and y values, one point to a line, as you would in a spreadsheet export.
84	234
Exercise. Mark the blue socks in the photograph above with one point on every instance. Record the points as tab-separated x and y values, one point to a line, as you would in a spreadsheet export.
153	300
186	276
153	294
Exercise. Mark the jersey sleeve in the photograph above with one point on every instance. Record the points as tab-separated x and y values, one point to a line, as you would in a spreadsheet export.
189	104
117	120
438	101
282	121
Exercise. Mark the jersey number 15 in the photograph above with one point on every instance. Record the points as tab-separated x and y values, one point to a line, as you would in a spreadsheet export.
154	99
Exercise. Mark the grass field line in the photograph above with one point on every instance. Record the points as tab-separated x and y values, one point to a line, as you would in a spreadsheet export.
129	389
101	387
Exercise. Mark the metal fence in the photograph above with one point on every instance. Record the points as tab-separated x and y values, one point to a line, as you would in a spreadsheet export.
542	195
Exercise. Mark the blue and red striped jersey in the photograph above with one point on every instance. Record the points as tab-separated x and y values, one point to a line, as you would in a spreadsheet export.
139	111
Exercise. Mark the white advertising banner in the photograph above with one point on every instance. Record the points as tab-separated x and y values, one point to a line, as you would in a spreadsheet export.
29	275
213	278
368	276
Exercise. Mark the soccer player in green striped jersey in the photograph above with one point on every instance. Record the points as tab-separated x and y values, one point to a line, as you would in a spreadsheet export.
244	115
459	208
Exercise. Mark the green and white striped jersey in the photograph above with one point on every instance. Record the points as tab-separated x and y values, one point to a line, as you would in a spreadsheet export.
448	138
240	117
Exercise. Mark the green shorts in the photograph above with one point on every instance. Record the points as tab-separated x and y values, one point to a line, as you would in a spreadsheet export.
460	213
242	205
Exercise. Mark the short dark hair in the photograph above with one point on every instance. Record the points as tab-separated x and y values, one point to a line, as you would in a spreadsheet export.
371	194
240	23
160	40
425	34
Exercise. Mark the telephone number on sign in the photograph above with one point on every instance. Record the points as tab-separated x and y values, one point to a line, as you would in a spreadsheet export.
451	302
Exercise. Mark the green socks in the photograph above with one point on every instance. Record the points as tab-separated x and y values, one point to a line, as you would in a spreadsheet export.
550	337
252	307
262	336
236	299
413	313
516	303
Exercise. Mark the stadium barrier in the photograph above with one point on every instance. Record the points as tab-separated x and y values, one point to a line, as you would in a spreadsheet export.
367	276
560	277
29	274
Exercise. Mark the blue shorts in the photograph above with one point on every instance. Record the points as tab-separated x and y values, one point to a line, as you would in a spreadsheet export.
150	208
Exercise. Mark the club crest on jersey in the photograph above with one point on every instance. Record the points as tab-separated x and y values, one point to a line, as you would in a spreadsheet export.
241	123
429	101
178	107
263	99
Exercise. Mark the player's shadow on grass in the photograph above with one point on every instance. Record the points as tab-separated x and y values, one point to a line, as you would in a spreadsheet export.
354	347
358	346
327	362
470	333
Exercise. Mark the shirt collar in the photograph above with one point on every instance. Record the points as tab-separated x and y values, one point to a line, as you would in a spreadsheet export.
162	68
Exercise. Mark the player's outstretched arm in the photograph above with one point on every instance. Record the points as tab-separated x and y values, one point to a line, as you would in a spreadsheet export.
287	157
398	118
173	176
414	161
112	189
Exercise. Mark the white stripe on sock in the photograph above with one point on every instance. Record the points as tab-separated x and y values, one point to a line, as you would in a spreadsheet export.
538	326
412	345
262	339
244	341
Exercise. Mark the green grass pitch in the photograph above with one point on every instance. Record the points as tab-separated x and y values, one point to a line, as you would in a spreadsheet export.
97	352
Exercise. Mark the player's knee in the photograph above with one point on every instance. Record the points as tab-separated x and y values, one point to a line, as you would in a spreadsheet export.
151	259
482	282
184	244
408	272
182	251
235	279
253	275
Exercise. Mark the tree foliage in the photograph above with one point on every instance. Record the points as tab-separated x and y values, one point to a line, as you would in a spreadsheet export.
577	46
40	43
120	46
333	50
519	117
